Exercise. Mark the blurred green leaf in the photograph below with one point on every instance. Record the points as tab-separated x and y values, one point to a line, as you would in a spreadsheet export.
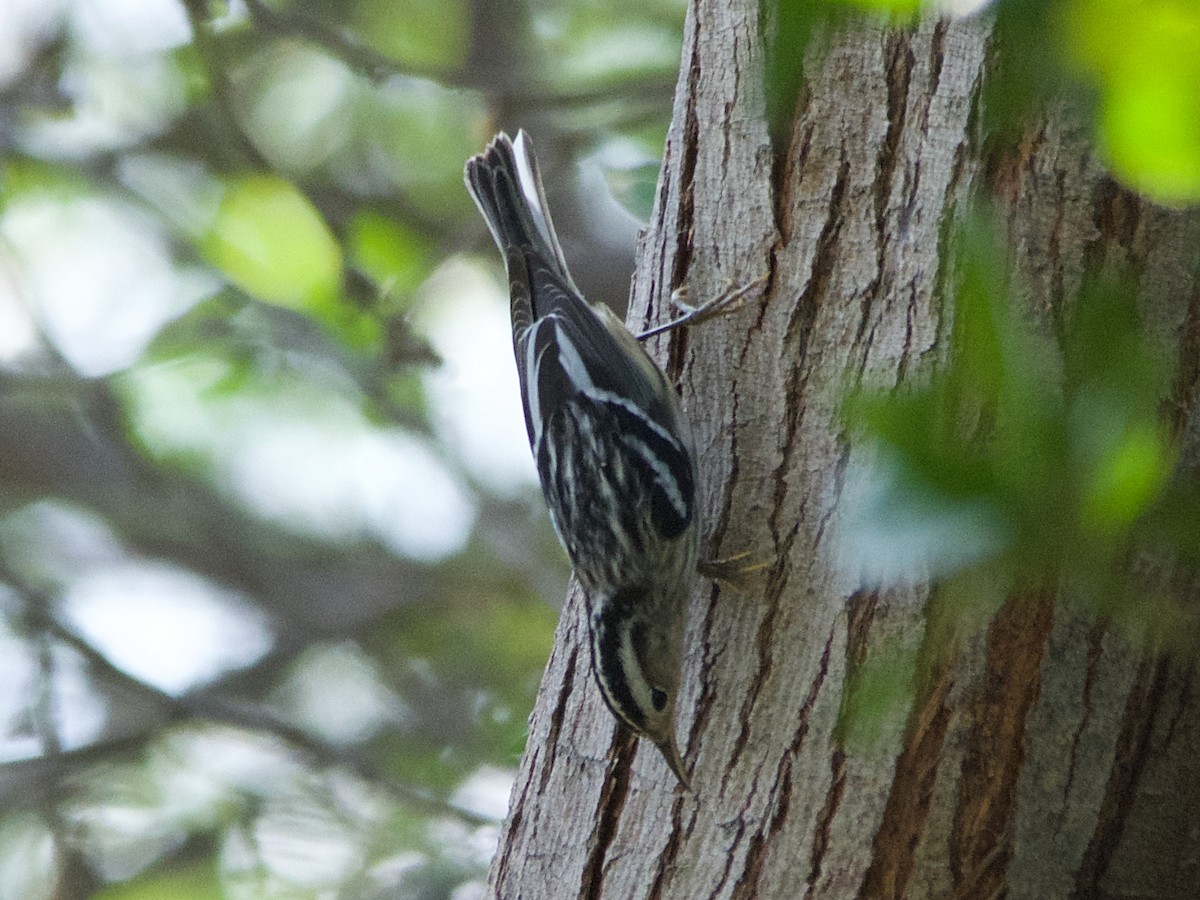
195	882
429	36
608	42
393	255
787	27
1028	65
300	103
1126	480
469	667
635	188
1174	524
273	244
879	693
891	7
503	642
1114	383
23	176
1105	345
1064	443
1144	56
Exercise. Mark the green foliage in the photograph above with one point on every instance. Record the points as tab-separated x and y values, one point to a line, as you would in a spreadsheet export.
635	189
607	42
196	882
273	244
1143	56
1029	465
423	133
900	8
483	658
787	27
395	256
23	178
1139	62
876	700
1062	446
432	37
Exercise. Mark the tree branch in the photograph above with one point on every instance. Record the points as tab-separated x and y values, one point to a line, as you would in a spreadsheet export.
208	704
210	55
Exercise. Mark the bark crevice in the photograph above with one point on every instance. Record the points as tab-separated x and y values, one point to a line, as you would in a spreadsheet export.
980	846
612	801
821	840
1133	748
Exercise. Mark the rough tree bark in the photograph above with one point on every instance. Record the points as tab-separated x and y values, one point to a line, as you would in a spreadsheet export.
1045	756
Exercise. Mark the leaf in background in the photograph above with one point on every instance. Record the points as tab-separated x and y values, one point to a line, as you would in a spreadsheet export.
23	176
787	27
468	665
585	43
1060	449
1174	522
428	36
196	882
270	241
878	697
299	104
635	188
1144	56
393	255
1105	345
1126	480
1028	65
893	7
1114	382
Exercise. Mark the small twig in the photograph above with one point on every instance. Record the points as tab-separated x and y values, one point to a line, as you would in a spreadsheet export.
218	77
356	55
203	705
378	67
45	708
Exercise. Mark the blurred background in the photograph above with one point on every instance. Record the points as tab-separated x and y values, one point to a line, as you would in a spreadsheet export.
276	580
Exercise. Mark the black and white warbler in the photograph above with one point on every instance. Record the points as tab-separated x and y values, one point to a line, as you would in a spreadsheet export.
613	450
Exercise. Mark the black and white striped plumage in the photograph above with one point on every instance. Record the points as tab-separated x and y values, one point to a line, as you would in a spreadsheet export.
612	447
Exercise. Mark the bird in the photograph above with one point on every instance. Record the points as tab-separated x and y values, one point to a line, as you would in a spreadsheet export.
613	449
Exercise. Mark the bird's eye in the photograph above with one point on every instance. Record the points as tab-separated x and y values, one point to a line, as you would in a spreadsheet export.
659	698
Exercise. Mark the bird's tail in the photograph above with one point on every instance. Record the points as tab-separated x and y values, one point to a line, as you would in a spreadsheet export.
507	187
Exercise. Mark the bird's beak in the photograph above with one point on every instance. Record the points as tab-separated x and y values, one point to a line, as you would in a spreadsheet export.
670	753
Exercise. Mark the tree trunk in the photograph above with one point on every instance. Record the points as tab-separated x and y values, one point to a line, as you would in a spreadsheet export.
1042	754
